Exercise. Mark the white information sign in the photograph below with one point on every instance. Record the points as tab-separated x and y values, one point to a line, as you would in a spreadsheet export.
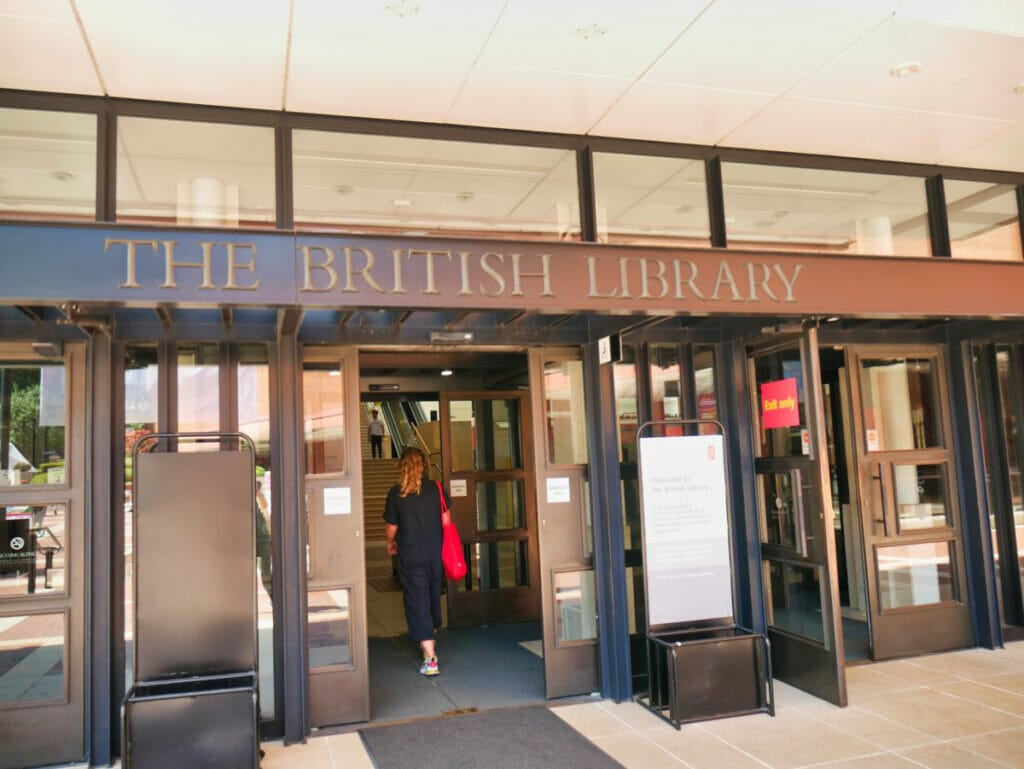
457	488
338	501
686	529
558	490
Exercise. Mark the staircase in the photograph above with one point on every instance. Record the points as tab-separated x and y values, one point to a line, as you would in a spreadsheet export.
379	475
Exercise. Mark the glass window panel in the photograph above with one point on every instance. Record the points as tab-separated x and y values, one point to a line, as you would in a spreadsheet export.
809	209
565	412
33	415
626	417
778	510
1013	463
794	599
575	607
198	391
983	220
48	165
915	575
588	522
899	397
32	556
778	373
494	565
414	186
651	200
177	172
921	497
500	505
329	628
323	404
485	434
253	398
32	651
706	392
665	385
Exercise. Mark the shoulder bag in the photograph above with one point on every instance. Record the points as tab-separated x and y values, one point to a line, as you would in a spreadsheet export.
452	555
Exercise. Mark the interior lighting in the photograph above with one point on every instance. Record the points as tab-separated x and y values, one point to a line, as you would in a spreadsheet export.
464	197
343	189
62	176
403	8
401	203
1019	89
906	69
591	31
446	372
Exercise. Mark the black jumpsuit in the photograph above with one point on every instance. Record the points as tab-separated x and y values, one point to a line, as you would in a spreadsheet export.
418	518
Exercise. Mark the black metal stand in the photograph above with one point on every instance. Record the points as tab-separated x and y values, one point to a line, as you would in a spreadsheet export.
195	699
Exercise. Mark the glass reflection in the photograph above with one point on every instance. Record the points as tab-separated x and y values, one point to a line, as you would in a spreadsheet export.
485	435
983	220
329	628
564	412
575	607
32	665
899	397
494	565
323	403
198	392
32	556
500	505
782	370
665	386
794	599
915	575
778	509
32	423
921	496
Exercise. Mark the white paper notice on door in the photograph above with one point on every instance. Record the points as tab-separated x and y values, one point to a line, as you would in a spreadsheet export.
338	501
558	490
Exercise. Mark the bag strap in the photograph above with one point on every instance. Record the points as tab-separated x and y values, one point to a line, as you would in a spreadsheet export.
440	493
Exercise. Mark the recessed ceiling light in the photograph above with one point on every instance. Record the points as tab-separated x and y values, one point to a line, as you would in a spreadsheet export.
446	372
401	203
591	31
62	176
464	197
403	8
906	69
1019	88
343	189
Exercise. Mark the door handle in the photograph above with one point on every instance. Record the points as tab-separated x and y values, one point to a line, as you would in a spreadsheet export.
884	520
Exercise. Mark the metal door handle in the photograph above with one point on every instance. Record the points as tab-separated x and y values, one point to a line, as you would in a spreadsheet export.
884	520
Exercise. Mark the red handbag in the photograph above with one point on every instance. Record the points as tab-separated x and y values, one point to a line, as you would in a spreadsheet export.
452	555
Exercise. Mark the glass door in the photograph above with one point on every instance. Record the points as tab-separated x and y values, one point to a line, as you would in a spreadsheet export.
795	517
487	446
42	555
907	476
339	686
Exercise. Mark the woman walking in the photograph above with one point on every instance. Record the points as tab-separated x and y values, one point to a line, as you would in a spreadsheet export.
413	516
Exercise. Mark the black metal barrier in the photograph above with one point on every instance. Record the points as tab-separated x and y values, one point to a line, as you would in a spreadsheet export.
700	663
195	699
708	673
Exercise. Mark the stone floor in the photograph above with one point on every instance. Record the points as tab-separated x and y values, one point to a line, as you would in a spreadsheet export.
959	710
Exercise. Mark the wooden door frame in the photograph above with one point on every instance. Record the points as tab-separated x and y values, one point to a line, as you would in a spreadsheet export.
917	623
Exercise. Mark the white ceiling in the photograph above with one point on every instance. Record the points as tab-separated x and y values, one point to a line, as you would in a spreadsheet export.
790	75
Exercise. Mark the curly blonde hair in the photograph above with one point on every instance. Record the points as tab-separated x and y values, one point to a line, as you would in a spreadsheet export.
411	466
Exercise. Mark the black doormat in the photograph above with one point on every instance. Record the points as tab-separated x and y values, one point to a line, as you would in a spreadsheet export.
517	738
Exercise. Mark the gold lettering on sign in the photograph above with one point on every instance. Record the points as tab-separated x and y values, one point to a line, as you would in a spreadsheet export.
592	292
170	265
725	278
365	272
130	280
646	276
790	282
690	280
492	273
326	266
428	257
518	275
766	275
464	289
234	264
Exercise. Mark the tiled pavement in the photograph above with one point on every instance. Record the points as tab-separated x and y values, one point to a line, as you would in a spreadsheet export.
960	710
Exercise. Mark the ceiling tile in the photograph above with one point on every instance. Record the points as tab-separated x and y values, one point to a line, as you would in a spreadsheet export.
41	49
371	84
1003	16
753	45
228	52
540	34
534	100
663	112
954	63
1002	151
448	31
